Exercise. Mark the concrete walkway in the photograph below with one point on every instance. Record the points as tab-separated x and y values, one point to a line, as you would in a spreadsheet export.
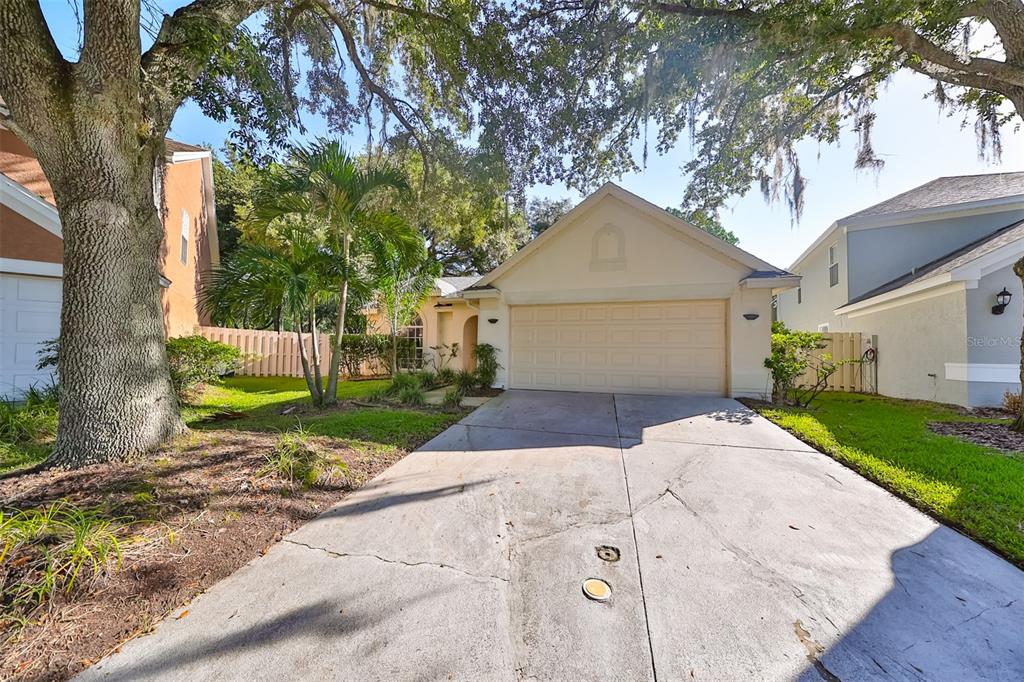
743	554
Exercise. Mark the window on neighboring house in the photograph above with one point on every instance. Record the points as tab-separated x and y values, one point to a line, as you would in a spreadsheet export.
410	355
823	328
185	221
799	295
833	265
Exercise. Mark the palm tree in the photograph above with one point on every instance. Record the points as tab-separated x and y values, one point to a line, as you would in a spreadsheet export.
267	285
324	183
403	279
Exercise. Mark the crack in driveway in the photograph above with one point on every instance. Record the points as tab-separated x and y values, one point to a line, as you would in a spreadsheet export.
413	564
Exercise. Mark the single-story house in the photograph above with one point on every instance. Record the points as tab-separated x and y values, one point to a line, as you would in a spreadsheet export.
927	275
617	296
32	253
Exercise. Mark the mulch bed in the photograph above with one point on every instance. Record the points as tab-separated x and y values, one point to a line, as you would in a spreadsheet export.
202	511
997	436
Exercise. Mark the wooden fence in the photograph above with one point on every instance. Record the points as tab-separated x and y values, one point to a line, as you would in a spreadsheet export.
269	354
842	346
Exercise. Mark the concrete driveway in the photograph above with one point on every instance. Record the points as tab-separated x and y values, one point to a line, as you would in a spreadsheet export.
743	554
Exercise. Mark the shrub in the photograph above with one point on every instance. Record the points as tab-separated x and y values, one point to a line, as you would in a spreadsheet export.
791	355
298	459
412	396
196	361
401	382
465	381
428	380
1012	402
365	351
51	549
31	420
486	364
452	399
446	376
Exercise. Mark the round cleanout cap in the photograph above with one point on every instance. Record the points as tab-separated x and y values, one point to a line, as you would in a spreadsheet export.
597	589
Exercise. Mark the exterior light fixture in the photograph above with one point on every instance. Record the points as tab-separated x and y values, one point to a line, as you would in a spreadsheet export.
750	316
492	320
1002	300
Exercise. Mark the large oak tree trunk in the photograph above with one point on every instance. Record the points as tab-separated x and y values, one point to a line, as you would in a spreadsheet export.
116	397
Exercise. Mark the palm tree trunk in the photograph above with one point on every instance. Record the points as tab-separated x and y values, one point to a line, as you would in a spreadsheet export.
339	326
314	391
315	341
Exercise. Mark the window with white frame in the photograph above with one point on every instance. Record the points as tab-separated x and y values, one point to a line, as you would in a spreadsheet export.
833	265
185	222
823	328
410	354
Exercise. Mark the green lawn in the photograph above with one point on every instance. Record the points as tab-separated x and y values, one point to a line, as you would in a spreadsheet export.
262	399
968	486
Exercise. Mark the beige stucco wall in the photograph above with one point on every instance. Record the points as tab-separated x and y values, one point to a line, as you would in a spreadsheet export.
915	340
818	299
441	326
613	252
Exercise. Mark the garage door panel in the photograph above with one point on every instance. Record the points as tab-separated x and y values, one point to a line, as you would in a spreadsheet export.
656	347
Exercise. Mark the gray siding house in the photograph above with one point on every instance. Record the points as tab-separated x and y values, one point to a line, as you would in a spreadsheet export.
921	272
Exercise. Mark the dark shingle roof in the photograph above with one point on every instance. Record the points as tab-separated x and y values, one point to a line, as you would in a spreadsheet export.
949	191
175	146
951	261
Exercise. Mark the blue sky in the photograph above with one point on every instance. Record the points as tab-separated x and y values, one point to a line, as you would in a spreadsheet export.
917	142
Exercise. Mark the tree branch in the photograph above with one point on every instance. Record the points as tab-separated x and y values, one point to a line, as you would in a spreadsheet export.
32	71
688	10
915	43
390	102
182	49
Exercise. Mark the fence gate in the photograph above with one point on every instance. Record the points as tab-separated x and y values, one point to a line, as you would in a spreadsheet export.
842	346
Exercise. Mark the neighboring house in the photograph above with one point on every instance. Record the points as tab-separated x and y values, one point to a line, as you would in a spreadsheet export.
618	295
31	252
921	272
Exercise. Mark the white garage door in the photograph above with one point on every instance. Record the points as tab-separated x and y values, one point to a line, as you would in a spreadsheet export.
29	315
656	347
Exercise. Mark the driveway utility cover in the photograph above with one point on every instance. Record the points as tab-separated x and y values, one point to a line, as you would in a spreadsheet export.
743	554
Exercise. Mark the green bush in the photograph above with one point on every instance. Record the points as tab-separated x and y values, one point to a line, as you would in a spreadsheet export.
195	361
401	382
428	380
51	549
412	396
446	376
465	381
486	364
31	419
365	351
296	458
452	399
791	356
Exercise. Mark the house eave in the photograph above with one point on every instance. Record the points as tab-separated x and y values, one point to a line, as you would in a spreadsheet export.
30	206
776	284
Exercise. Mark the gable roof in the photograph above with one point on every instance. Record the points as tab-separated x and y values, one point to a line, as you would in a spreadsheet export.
730	251
963	194
453	285
948	191
949	262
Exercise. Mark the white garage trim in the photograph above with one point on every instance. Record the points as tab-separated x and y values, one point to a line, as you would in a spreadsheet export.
31	267
30	206
665	347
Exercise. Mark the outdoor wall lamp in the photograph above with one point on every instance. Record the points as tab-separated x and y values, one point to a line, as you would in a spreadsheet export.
1002	300
750	316
492	320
